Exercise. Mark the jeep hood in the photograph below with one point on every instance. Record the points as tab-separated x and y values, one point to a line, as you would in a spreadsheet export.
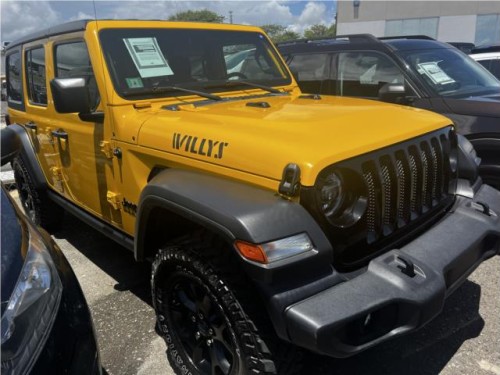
261	139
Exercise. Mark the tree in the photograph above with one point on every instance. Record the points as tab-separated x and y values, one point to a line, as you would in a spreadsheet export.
320	31
279	33
203	15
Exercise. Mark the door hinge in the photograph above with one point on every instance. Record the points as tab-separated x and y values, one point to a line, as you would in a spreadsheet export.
106	149
57	178
114	199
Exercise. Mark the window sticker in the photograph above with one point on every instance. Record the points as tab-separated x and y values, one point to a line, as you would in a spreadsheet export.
134	83
147	57
435	73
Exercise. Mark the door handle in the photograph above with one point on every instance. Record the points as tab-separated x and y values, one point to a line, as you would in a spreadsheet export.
31	125
60	134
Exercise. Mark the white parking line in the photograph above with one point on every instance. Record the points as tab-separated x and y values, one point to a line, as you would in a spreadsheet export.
485	365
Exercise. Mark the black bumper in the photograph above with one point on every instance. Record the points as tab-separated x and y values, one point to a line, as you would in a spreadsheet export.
384	301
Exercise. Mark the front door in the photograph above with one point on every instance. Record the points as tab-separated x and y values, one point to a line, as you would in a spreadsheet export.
87	172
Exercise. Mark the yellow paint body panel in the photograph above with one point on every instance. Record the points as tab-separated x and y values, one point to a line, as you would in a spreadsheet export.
225	138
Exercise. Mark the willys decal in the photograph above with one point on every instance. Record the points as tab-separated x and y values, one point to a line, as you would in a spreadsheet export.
199	146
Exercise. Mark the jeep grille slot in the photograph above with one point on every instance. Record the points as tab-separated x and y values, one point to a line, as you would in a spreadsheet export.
407	187
387	182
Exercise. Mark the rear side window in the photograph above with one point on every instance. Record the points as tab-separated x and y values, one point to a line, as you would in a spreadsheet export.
72	61
35	76
14	80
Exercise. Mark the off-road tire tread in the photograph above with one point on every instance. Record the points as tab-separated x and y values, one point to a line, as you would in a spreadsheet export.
206	253
48	214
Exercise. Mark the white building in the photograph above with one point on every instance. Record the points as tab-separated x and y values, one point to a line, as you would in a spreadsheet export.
470	21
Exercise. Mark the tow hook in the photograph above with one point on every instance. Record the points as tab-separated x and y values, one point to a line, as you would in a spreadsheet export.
408	268
483	208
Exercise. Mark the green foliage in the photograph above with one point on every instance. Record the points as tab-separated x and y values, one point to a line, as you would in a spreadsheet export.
279	33
320	31
203	15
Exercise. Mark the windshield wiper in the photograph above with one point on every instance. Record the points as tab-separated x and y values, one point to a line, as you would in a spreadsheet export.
157	89
229	83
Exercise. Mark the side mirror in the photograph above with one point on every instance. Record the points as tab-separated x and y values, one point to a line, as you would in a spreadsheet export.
10	145
70	95
392	93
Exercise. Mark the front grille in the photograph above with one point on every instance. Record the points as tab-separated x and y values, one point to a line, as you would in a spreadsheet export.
405	188
404	184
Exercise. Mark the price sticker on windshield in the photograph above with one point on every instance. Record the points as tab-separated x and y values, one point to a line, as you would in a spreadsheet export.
435	73
147	57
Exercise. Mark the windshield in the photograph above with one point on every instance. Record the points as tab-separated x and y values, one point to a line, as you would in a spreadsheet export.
142	60
450	73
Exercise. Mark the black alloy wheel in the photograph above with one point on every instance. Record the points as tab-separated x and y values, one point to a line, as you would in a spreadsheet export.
210	316
201	326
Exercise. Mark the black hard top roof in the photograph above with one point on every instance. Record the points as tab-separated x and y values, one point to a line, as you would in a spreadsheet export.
361	41
64	28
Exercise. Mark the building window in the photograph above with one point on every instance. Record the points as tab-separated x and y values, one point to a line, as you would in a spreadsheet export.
412	26
35	76
487	29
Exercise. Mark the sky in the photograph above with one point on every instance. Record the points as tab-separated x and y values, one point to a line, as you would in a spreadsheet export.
19	18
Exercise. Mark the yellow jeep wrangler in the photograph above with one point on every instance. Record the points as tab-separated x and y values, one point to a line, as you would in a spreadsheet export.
274	220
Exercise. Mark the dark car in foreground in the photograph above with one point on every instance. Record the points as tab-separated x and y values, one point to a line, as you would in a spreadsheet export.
413	70
46	323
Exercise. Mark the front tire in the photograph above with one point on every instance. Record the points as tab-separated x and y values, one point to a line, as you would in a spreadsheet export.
37	205
207	328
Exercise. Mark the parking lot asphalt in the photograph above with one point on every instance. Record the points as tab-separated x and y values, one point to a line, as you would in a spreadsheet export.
464	339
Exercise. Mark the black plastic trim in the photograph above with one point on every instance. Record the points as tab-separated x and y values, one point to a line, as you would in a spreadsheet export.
28	156
335	321
103	227
233	210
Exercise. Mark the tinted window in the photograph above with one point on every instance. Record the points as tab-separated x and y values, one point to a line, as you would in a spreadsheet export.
72	61
495	68
492	65
14	79
449	72
311	71
35	76
363	73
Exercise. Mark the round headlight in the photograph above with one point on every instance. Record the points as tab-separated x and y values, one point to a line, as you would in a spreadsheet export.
341	197
331	194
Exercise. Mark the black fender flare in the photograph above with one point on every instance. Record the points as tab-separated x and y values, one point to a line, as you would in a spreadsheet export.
231	209
28	156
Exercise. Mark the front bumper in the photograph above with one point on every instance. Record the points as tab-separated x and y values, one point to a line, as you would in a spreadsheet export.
384	301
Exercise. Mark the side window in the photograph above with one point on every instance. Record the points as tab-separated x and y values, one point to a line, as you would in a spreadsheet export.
35	76
72	61
362	74
14	80
495	68
311	71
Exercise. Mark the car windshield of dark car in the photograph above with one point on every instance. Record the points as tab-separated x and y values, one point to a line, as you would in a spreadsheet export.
450	73
142	60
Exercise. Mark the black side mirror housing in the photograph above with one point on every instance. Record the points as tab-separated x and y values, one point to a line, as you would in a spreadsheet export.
10	145
392	93
70	95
